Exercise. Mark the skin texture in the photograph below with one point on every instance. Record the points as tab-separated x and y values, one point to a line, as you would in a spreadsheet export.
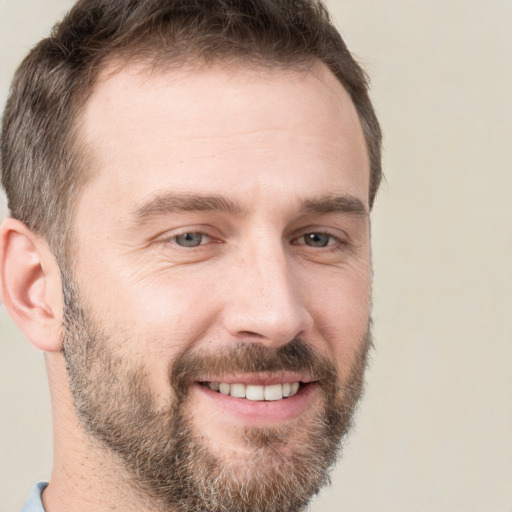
254	160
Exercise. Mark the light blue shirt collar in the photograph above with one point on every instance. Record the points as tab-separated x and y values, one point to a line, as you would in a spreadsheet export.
34	503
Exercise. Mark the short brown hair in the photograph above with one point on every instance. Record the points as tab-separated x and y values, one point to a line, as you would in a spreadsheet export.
39	148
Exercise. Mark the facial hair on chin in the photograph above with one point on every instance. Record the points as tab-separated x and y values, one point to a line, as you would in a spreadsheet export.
168	459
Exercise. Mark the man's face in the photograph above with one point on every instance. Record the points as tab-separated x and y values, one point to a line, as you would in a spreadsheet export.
217	334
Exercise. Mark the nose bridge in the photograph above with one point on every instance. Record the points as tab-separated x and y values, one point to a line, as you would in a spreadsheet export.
266	300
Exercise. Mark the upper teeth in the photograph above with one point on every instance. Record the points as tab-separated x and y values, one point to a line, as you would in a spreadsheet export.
251	392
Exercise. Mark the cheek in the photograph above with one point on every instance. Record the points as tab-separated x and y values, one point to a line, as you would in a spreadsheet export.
169	317
148	297
341	307
148	320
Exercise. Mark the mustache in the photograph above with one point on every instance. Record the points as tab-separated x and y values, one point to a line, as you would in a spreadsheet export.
251	357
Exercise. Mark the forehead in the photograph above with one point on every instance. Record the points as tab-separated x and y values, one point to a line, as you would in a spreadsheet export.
217	129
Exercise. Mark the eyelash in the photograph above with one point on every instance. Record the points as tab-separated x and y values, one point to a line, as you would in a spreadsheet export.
202	234
333	241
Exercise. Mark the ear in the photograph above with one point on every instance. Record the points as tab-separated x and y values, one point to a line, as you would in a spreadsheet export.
31	285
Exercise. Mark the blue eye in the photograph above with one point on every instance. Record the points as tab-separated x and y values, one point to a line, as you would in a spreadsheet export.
191	239
318	239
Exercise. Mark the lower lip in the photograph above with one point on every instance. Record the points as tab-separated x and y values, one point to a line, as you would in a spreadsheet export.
264	412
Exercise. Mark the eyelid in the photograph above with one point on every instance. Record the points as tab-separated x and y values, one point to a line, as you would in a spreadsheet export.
335	243
169	236
338	234
329	235
204	238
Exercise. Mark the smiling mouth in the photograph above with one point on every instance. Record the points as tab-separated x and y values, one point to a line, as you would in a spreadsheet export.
256	393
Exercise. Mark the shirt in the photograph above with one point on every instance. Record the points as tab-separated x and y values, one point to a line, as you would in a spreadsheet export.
34	503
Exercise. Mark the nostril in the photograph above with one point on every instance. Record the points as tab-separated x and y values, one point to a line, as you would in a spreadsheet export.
250	334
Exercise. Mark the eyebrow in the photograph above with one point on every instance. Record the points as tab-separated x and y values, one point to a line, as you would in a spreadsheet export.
166	204
344	204
172	203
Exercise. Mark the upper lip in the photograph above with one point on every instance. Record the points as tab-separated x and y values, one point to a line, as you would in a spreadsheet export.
259	379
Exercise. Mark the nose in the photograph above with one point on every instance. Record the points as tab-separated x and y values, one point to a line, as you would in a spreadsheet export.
265	301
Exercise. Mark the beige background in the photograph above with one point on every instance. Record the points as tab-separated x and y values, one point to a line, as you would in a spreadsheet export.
434	432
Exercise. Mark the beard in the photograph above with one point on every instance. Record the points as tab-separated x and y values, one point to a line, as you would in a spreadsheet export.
167	458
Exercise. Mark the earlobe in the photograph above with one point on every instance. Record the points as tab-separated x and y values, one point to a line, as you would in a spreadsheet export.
31	285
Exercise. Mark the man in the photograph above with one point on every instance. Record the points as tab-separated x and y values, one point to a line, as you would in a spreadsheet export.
189	242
